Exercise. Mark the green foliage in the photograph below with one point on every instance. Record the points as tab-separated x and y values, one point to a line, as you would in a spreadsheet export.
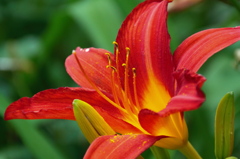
37	36
39	145
160	153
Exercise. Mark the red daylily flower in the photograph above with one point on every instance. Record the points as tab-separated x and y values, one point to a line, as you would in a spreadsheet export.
141	91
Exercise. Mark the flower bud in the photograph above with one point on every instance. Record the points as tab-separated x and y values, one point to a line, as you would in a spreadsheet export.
90	122
224	127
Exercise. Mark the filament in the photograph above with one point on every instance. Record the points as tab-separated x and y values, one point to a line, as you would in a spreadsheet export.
94	86
135	88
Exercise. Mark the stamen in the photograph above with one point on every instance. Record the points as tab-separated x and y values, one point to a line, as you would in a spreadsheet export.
111	67
135	88
115	82
116	51
125	65
127	98
114	91
116	44
118	86
114	85
120	89
94	86
109	59
120	96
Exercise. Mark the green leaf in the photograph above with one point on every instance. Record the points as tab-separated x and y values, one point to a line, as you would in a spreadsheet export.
39	145
100	19
224	127
234	3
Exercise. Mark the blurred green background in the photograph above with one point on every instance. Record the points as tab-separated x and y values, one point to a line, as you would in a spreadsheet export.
37	36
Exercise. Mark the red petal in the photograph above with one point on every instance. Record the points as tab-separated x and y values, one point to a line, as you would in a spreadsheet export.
94	62
196	49
188	96
172	128
120	146
145	32
158	123
55	104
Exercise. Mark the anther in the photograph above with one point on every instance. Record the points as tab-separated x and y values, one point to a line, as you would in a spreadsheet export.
116	50
128	51
114	69
110	62
134	72
108	54
115	43
109	59
135	88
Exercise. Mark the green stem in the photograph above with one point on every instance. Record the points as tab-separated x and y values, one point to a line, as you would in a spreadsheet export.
189	151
